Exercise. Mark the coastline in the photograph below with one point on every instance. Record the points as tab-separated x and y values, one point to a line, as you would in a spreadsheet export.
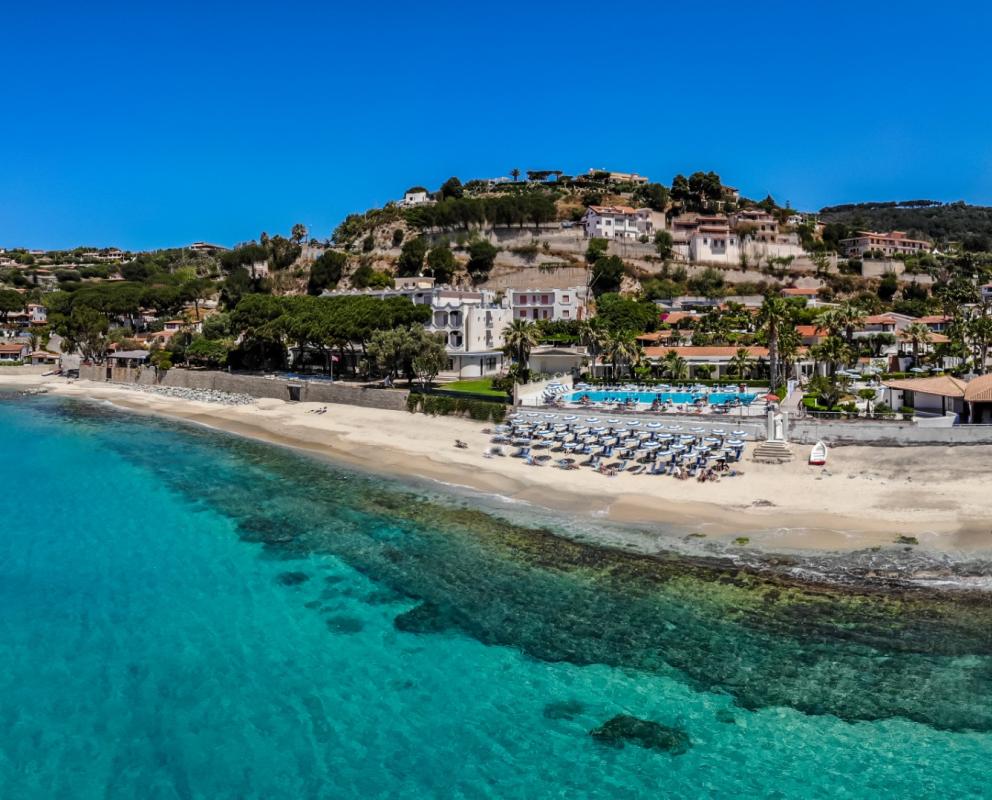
865	499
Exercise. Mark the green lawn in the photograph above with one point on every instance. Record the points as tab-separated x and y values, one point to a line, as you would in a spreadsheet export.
477	386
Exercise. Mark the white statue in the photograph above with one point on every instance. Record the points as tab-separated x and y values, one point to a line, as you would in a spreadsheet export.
779	434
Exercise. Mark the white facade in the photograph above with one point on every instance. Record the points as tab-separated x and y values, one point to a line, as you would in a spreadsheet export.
714	245
417	197
621	222
472	323
549	304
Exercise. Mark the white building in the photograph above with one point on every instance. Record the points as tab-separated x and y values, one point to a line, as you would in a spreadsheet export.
549	304
620	177
714	244
472	323
416	196
622	222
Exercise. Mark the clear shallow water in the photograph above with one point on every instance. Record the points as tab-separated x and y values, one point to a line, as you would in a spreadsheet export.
189	615
647	398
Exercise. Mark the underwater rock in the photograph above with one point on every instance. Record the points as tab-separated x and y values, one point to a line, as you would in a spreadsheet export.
425	618
563	709
292	578
344	624
624	728
263	529
726	716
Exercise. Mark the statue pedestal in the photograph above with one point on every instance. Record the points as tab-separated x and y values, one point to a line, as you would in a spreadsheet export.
774	450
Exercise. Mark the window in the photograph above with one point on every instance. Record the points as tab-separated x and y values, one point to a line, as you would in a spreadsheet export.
564	298
564	313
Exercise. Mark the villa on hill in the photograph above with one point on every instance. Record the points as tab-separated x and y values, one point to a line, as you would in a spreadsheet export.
890	244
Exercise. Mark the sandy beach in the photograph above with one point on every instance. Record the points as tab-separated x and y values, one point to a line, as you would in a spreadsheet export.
866	497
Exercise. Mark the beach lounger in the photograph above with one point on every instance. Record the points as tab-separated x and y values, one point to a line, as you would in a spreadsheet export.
636	469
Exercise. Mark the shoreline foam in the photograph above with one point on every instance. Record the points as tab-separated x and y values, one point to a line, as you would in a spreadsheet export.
821	515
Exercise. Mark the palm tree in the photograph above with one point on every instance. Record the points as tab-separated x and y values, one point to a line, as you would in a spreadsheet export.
622	350
832	351
518	339
515	174
919	334
676	367
775	313
841	321
592	337
741	363
979	330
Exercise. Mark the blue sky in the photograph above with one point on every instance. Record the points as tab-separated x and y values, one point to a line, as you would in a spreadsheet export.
156	125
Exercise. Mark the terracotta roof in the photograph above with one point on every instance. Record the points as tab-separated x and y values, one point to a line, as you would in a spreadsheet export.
979	390
655	336
674	317
728	351
941	385
880	319
811	330
795	291
934	338
933	318
613	209
11	348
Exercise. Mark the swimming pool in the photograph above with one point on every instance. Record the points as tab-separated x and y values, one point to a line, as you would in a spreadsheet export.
647	398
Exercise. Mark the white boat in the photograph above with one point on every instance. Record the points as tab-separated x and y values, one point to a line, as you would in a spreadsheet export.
818	456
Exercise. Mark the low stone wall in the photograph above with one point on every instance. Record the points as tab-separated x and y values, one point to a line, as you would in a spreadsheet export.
27	369
899	434
255	385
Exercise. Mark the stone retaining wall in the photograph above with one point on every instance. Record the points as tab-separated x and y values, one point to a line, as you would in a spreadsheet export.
254	385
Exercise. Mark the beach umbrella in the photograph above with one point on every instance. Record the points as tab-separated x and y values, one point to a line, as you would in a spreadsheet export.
633	423
592	419
736	443
570	417
739	434
613	421
654	424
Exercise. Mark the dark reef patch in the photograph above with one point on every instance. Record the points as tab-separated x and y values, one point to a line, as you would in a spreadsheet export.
624	729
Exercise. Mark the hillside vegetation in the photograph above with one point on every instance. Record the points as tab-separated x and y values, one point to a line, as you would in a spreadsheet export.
927	219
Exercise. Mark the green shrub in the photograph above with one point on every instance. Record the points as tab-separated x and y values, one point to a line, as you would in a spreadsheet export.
439	405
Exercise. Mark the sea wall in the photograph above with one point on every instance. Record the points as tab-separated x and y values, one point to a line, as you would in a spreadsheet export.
898	434
254	385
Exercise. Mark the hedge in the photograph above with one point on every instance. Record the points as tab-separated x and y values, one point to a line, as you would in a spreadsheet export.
440	405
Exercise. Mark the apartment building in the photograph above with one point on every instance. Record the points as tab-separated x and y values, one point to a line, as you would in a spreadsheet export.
549	304
622	222
472	323
890	244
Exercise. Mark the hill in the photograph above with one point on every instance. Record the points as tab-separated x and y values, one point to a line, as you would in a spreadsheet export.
929	219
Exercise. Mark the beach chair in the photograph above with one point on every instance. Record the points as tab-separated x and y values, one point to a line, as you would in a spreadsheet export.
637	469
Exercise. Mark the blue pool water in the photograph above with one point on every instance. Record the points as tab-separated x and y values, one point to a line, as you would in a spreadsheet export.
189	615
647	398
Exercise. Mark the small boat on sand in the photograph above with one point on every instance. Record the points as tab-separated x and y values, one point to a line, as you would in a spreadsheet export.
818	456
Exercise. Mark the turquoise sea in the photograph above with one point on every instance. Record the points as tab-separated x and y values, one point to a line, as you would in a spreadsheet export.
184	614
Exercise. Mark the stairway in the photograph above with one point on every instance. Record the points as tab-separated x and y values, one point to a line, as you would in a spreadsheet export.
772	453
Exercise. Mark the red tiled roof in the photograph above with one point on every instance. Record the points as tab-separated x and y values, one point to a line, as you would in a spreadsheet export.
979	390
728	351
880	319
811	330
940	385
795	291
